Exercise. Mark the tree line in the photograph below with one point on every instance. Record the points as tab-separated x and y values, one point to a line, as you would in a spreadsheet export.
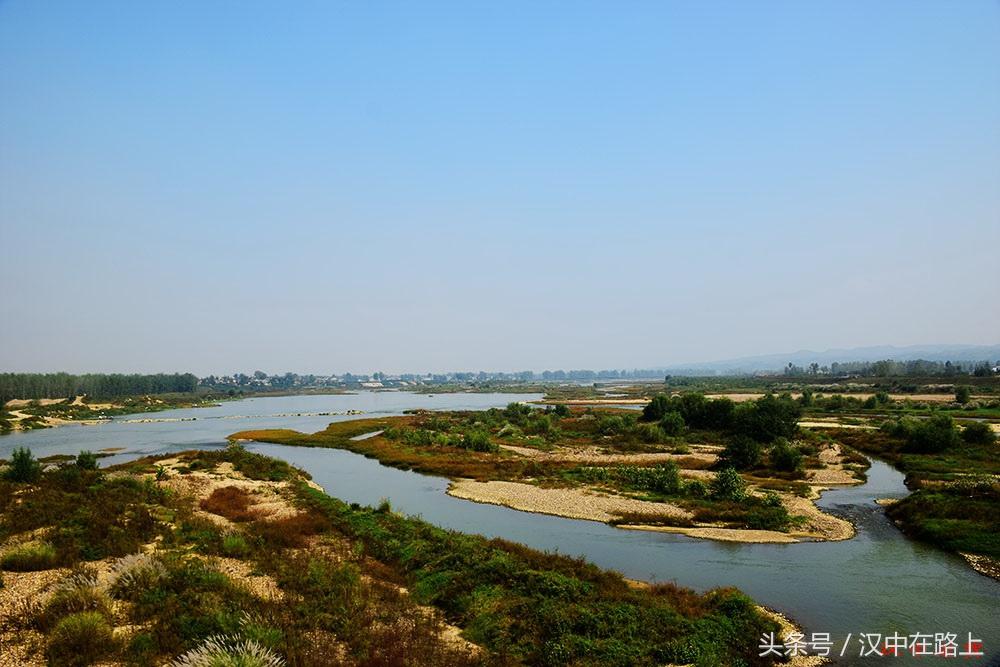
893	368
94	385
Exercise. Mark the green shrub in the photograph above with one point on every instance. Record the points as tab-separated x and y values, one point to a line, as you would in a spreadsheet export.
80	639
767	418
978	433
656	409
611	425
23	467
650	433
767	517
729	485
86	460
75	594
479	441
696	488
963	394
29	557
931	435
742	453
672	423
785	457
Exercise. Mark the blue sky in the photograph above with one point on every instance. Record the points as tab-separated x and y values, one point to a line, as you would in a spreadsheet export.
325	187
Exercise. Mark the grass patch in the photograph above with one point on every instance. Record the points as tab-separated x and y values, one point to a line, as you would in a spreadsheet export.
957	517
29	557
80	639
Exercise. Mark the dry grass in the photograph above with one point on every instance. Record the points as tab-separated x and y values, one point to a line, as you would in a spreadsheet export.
231	502
290	532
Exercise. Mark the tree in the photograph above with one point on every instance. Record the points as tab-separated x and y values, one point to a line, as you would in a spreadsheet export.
656	408
728	485
672	423
806	399
785	457
86	460
742	453
963	394
978	433
23	466
767	418
932	435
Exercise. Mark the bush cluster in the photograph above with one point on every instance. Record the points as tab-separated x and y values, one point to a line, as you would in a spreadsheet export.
763	420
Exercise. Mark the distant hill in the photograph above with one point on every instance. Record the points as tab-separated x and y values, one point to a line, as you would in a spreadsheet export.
775	362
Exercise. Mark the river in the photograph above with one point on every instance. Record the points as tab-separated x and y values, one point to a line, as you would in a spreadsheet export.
879	582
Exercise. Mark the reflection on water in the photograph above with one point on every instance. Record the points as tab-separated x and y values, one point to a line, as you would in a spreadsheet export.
878	582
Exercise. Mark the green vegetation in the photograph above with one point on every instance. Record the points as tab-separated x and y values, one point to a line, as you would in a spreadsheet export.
80	639
163	598
94	516
29	557
22	467
957	516
728	485
953	474
978	433
544	609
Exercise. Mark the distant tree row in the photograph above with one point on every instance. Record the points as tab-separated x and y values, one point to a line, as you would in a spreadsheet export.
893	368
95	385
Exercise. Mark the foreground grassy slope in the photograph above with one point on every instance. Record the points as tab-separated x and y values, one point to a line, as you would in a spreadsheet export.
236	556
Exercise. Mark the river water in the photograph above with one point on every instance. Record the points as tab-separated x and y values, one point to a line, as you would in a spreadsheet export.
878	582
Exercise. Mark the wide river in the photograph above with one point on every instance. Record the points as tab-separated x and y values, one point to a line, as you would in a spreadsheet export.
877	583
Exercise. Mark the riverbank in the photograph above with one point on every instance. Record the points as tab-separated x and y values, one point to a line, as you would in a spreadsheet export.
26	415
234	543
953	474
610	508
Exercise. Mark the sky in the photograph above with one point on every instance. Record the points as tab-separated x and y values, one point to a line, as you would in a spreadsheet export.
358	186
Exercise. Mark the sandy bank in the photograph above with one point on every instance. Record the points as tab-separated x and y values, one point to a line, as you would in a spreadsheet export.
593	506
720	534
984	565
568	503
595	455
49	422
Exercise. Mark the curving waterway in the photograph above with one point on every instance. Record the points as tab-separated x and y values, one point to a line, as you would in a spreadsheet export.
879	582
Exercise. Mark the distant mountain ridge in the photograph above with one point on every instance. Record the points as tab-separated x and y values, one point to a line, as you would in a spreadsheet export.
775	362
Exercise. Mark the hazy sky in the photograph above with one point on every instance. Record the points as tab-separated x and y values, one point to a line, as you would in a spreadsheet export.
360	186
